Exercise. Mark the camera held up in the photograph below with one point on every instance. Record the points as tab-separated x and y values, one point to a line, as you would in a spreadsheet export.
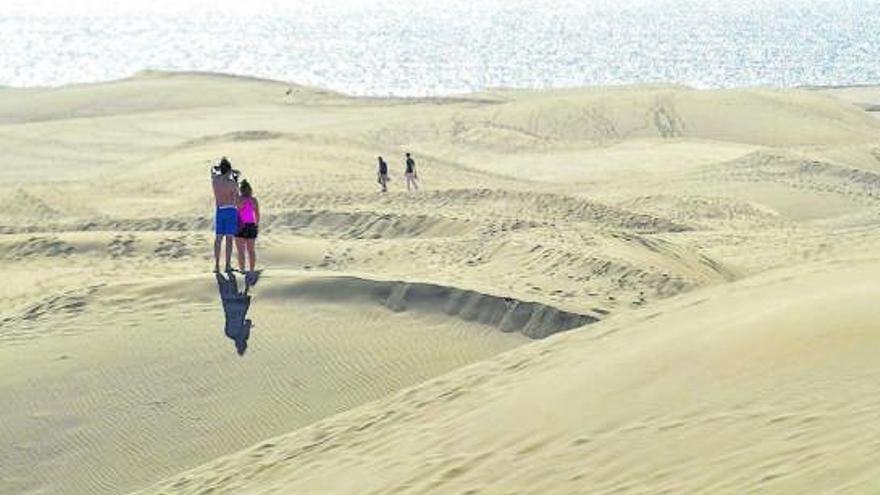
224	167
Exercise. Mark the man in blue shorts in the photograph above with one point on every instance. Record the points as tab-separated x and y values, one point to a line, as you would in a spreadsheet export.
226	219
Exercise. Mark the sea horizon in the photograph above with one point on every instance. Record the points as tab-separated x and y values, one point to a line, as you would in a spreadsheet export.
454	48
146	73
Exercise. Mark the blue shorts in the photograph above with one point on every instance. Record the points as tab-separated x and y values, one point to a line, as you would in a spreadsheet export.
226	221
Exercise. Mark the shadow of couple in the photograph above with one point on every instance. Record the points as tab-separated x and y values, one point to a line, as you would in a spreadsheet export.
235	306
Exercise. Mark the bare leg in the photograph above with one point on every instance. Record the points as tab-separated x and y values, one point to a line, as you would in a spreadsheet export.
217	253
252	252
228	253
239	246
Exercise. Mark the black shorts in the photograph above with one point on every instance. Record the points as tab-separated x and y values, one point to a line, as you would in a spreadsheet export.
247	231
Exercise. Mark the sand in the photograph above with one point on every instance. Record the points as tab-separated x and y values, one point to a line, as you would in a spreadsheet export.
607	290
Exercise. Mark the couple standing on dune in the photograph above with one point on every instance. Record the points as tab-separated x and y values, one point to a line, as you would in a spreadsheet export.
238	215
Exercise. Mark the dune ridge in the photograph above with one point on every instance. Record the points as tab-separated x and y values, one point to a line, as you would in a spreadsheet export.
533	320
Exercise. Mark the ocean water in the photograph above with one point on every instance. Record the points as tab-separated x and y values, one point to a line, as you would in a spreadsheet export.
408	48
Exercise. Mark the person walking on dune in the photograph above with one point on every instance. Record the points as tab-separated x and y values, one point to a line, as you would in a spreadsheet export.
248	220
226	217
382	175
412	176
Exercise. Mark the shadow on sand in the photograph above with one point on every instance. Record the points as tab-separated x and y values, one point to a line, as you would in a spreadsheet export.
236	305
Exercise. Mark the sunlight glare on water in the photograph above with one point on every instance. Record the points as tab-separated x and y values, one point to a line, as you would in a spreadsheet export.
403	47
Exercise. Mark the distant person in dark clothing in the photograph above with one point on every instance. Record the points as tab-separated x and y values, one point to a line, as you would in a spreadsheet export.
412	177
382	175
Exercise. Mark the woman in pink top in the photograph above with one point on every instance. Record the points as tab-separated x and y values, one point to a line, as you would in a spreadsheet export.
248	220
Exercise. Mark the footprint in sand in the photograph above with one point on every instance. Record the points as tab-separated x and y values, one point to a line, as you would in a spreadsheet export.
172	249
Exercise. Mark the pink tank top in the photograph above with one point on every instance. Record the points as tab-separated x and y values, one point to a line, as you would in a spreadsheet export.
246	212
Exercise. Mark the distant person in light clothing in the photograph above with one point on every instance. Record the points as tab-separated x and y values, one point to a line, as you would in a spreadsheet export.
412	176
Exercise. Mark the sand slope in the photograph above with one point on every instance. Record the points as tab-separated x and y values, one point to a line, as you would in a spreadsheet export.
767	385
541	211
866	96
109	387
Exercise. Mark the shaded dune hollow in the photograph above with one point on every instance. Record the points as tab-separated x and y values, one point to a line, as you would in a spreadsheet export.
532	319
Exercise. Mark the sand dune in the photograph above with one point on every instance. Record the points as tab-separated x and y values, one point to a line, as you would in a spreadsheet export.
866	96
743	116
142	370
148	92
718	245
767	385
